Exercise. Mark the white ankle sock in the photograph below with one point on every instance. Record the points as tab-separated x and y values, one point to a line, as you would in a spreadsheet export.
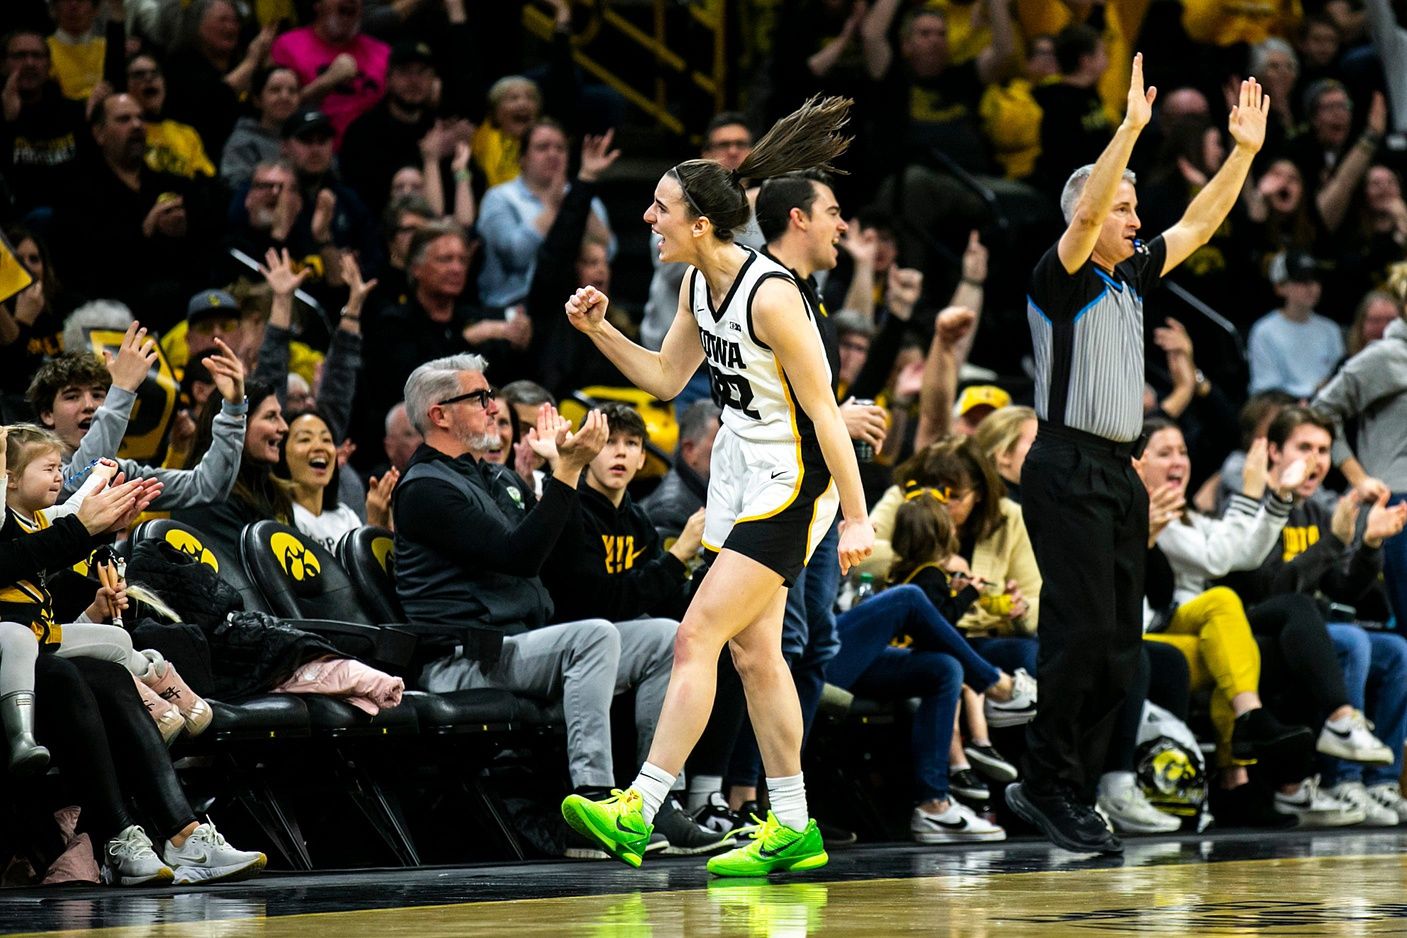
788	797
954	767
653	784
700	787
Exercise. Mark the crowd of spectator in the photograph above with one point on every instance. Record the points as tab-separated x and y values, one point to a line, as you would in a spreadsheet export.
377	210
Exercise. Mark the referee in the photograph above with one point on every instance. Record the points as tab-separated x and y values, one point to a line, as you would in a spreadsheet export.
1084	504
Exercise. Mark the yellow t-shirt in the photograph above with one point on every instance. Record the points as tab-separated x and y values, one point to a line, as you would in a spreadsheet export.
1011	119
78	67
177	148
1225	23
496	154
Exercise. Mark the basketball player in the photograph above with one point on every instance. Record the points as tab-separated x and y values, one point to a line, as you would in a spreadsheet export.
782	462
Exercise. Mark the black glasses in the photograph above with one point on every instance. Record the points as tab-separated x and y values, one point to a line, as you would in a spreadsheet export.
483	396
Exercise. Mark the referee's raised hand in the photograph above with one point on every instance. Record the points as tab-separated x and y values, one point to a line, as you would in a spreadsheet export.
1140	105
1247	121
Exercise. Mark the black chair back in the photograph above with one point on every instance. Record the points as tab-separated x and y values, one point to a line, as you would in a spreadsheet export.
190	541
368	554
298	577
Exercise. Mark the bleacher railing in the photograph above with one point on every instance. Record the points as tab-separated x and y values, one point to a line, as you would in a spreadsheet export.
650	26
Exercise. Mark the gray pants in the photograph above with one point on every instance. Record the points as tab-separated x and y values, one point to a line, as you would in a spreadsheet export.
19	649
584	665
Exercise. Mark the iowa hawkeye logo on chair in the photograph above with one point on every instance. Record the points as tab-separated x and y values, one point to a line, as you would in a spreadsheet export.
190	545
292	554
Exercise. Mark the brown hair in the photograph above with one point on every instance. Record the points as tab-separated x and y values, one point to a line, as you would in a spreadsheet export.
807	138
24	443
956	463
1292	418
70	369
923	534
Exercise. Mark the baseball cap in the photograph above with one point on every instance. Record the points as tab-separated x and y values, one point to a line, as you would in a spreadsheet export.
981	395
211	303
1298	266
307	123
410	52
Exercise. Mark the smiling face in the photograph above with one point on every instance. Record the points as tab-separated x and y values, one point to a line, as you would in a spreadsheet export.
73	410
219	29
1311	444
616	465
471	425
310	452
1115	244
1165	462
37	487
503	448
824	228
266	431
518	108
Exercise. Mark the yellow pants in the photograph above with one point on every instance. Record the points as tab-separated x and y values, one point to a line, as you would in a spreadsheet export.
1213	635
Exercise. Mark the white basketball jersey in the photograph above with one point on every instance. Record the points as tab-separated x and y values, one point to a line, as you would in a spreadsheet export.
746	378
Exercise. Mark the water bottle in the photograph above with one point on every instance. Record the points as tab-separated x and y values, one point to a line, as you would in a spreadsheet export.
865	590
864	452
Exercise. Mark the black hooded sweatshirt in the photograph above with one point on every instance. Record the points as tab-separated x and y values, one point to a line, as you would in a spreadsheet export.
609	564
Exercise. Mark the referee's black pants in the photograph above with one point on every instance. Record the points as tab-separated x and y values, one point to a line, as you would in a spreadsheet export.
1086	511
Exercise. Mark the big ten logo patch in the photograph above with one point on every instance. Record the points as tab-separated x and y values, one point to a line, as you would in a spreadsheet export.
145	439
620	552
190	545
294	557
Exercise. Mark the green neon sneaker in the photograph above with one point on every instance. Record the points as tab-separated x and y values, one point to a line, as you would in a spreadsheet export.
774	848
617	823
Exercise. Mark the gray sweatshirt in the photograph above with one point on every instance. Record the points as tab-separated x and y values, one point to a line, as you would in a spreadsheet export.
210	481
1372	386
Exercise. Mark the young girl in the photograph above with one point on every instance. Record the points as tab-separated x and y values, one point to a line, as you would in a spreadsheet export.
902	644
34	457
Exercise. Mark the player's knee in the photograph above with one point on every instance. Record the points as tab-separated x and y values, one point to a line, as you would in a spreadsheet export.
750	663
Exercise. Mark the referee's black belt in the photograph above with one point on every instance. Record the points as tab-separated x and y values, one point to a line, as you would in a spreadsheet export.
1092	441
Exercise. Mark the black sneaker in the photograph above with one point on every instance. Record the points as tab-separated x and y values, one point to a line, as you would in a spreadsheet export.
836	836
966	785
717	816
684	835
1066	822
1257	734
991	763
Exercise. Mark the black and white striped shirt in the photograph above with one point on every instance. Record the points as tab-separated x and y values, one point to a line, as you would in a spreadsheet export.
1087	329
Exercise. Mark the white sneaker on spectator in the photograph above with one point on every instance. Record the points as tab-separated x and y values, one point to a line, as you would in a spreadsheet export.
1351	738
958	824
205	857
1355	795
129	860
1129	810
1312	807
1389	795
1021	708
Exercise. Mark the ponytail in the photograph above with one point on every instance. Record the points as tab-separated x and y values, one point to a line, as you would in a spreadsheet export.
808	138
